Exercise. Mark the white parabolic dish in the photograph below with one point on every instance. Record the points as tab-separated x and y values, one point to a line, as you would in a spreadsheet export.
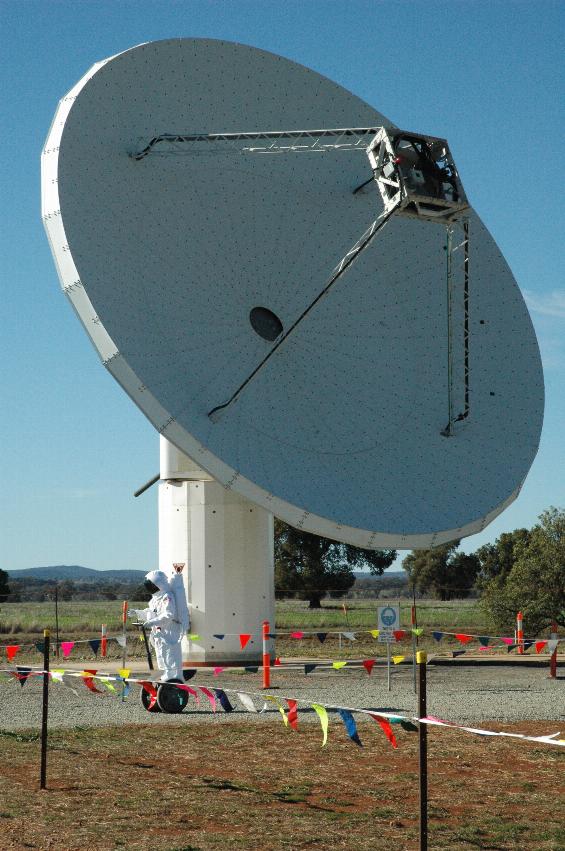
165	257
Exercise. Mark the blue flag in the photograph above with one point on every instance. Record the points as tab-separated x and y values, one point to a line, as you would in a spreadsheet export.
350	726
437	635
223	698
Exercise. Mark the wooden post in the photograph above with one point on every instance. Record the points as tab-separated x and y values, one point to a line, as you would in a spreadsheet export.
423	750
56	620
413	624
266	656
44	713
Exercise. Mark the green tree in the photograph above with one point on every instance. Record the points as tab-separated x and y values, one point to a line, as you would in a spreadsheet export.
311	565
535	585
498	559
442	571
4	586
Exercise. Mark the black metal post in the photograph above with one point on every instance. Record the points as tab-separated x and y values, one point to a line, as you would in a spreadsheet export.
147	647
423	750
44	714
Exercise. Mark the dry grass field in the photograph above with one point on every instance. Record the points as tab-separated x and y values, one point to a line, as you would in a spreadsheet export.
263	788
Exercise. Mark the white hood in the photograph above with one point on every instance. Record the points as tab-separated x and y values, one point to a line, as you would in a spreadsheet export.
158	578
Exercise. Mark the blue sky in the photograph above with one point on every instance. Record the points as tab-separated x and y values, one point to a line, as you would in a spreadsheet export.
488	75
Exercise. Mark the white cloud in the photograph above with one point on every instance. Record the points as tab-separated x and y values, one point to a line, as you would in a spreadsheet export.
550	304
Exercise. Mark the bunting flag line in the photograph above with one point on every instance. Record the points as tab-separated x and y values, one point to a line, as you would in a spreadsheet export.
417	631
22	675
246	701
223	698
309	668
338	665
540	645
484	640
437	635
375	632
321	636
279	706
369	664
66	647
194	693
292	713
322	714
398	659
462	637
507	640
209	695
384	719
88	679
11	651
151	691
219	635
40	646
349	635
244	638
387	729
95	644
399	634
188	674
350	726
297	635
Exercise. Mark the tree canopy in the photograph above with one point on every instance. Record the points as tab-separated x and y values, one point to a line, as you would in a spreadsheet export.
535	583
312	566
4	586
442	571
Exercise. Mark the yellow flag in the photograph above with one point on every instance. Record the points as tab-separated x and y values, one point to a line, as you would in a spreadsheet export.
375	632
57	675
279	706
106	682
194	637
338	665
124	673
398	659
417	630
323	716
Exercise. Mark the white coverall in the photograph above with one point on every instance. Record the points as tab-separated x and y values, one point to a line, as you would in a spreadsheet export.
166	629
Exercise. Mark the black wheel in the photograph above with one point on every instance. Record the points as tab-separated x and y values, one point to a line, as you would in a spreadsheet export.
171	699
146	699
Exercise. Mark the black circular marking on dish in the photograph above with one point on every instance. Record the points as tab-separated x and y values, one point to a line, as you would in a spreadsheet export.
265	323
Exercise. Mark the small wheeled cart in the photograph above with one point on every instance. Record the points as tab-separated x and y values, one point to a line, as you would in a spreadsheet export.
169	698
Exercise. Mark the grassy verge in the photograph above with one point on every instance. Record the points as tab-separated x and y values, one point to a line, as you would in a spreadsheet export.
258	786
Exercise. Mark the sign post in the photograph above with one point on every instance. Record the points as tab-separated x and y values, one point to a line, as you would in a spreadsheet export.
388	619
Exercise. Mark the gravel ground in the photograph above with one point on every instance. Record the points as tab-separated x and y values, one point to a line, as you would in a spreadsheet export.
456	693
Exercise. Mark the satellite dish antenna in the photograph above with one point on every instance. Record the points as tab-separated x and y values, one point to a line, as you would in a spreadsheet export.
295	292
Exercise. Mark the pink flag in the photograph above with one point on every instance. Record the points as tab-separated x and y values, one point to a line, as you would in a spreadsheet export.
66	647
244	638
218	671
152	691
11	651
508	640
368	664
387	729
297	635
211	697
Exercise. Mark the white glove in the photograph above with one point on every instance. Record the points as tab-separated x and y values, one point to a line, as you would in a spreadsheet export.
133	613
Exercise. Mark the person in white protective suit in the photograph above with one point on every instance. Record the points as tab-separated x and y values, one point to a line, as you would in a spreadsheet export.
166	622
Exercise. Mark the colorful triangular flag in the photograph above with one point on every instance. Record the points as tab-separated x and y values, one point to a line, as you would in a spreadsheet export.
309	668
323	716
368	664
321	636
244	639
224	700
387	729
292	713
438	635
350	726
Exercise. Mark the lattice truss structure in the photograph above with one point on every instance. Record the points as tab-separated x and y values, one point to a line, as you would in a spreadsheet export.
416	177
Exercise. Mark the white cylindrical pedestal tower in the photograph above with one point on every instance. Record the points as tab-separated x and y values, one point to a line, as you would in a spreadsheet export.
227	545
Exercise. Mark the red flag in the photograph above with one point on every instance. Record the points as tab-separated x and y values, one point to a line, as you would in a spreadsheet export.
151	690
292	714
297	635
540	645
464	639
387	729
89	682
399	634
277	661
368	664
244	638
11	651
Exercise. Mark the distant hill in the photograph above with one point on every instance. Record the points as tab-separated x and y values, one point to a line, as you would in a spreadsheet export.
77	573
